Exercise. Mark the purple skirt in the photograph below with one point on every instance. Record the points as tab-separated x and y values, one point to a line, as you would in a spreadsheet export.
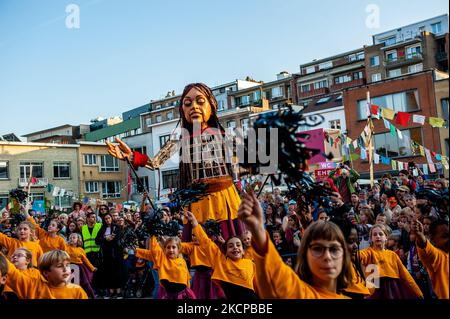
187	293
393	288
203	287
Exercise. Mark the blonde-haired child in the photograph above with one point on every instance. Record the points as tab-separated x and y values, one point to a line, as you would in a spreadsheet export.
79	258
173	272
395	282
54	283
25	238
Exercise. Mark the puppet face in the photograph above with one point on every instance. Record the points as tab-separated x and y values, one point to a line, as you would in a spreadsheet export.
196	107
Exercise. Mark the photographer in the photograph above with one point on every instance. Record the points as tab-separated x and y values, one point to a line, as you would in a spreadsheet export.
345	181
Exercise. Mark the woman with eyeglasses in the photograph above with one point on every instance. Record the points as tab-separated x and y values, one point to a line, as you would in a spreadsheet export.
383	267
323	269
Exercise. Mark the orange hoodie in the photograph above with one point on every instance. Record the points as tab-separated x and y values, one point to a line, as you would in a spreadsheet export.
45	240
12	244
436	264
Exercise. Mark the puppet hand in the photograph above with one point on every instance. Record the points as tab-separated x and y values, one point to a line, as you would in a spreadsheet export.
120	151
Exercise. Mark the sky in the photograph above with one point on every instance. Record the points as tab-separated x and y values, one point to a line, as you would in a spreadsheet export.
126	53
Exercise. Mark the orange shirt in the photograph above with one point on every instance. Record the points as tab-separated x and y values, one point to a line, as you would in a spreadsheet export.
389	265
45	240
27	287
436	264
173	270
12	244
197	256
240	272
249	252
31	272
78	256
358	285
276	280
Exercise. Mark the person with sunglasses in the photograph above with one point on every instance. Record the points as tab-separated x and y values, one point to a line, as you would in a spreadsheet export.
323	270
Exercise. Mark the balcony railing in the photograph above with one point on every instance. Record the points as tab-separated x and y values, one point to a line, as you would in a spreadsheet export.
399	61
315	92
340	86
40	182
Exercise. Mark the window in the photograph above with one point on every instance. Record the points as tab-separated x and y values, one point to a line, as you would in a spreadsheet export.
148	121
110	189
342	79
137	188
25	168
142	150
390	146
4	199
395	72
444	104
91	187
326	65
109	164
358	75
163	140
158	118
360	56
222	90
376	77
90	159
245	123
170	115
413	51
170	179
4	172
277	92
390	41
310	69
415	68
36	196
306	88
61	170
335	124
436	28
256	95
406	101
245	100
374	60
391	56
352	57
221	105
320	84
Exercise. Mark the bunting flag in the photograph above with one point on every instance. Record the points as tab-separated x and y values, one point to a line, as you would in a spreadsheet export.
367	130
402	118
400	165
34	180
363	153
393	130
432	168
445	163
438	157
422	150
436	122
55	191
387	113
394	165
375	109
376	158
419	119
355	144
385	160
425	169
400	135
387	124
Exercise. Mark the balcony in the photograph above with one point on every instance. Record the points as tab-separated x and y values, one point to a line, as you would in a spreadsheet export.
441	56
400	61
315	92
40	182
340	86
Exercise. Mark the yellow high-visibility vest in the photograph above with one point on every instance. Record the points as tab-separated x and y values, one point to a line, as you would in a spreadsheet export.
89	240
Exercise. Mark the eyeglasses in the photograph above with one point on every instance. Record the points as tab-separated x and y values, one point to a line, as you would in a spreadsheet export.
18	255
318	250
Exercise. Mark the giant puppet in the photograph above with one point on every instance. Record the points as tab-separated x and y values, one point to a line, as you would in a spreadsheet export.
203	158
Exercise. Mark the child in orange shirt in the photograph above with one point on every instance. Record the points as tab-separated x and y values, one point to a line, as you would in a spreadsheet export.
323	268
79	258
202	285
234	273
25	233
49	240
172	269
54	282
394	280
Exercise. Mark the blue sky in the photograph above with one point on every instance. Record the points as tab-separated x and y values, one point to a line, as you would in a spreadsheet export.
126	53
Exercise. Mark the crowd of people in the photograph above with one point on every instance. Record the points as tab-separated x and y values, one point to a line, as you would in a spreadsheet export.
388	241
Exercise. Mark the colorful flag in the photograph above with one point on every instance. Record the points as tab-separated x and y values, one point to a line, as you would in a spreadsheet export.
393	133
400	135
419	119
436	122
374	109
400	166
355	144
438	157
402	118
385	160
444	162
376	158
425	169
388	113
394	165
422	150
387	124
363	153
432	168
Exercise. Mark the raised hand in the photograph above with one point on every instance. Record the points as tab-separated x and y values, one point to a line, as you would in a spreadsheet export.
250	212
191	218
417	229
120	151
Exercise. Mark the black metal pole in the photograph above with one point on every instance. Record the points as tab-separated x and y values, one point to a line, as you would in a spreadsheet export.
139	182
